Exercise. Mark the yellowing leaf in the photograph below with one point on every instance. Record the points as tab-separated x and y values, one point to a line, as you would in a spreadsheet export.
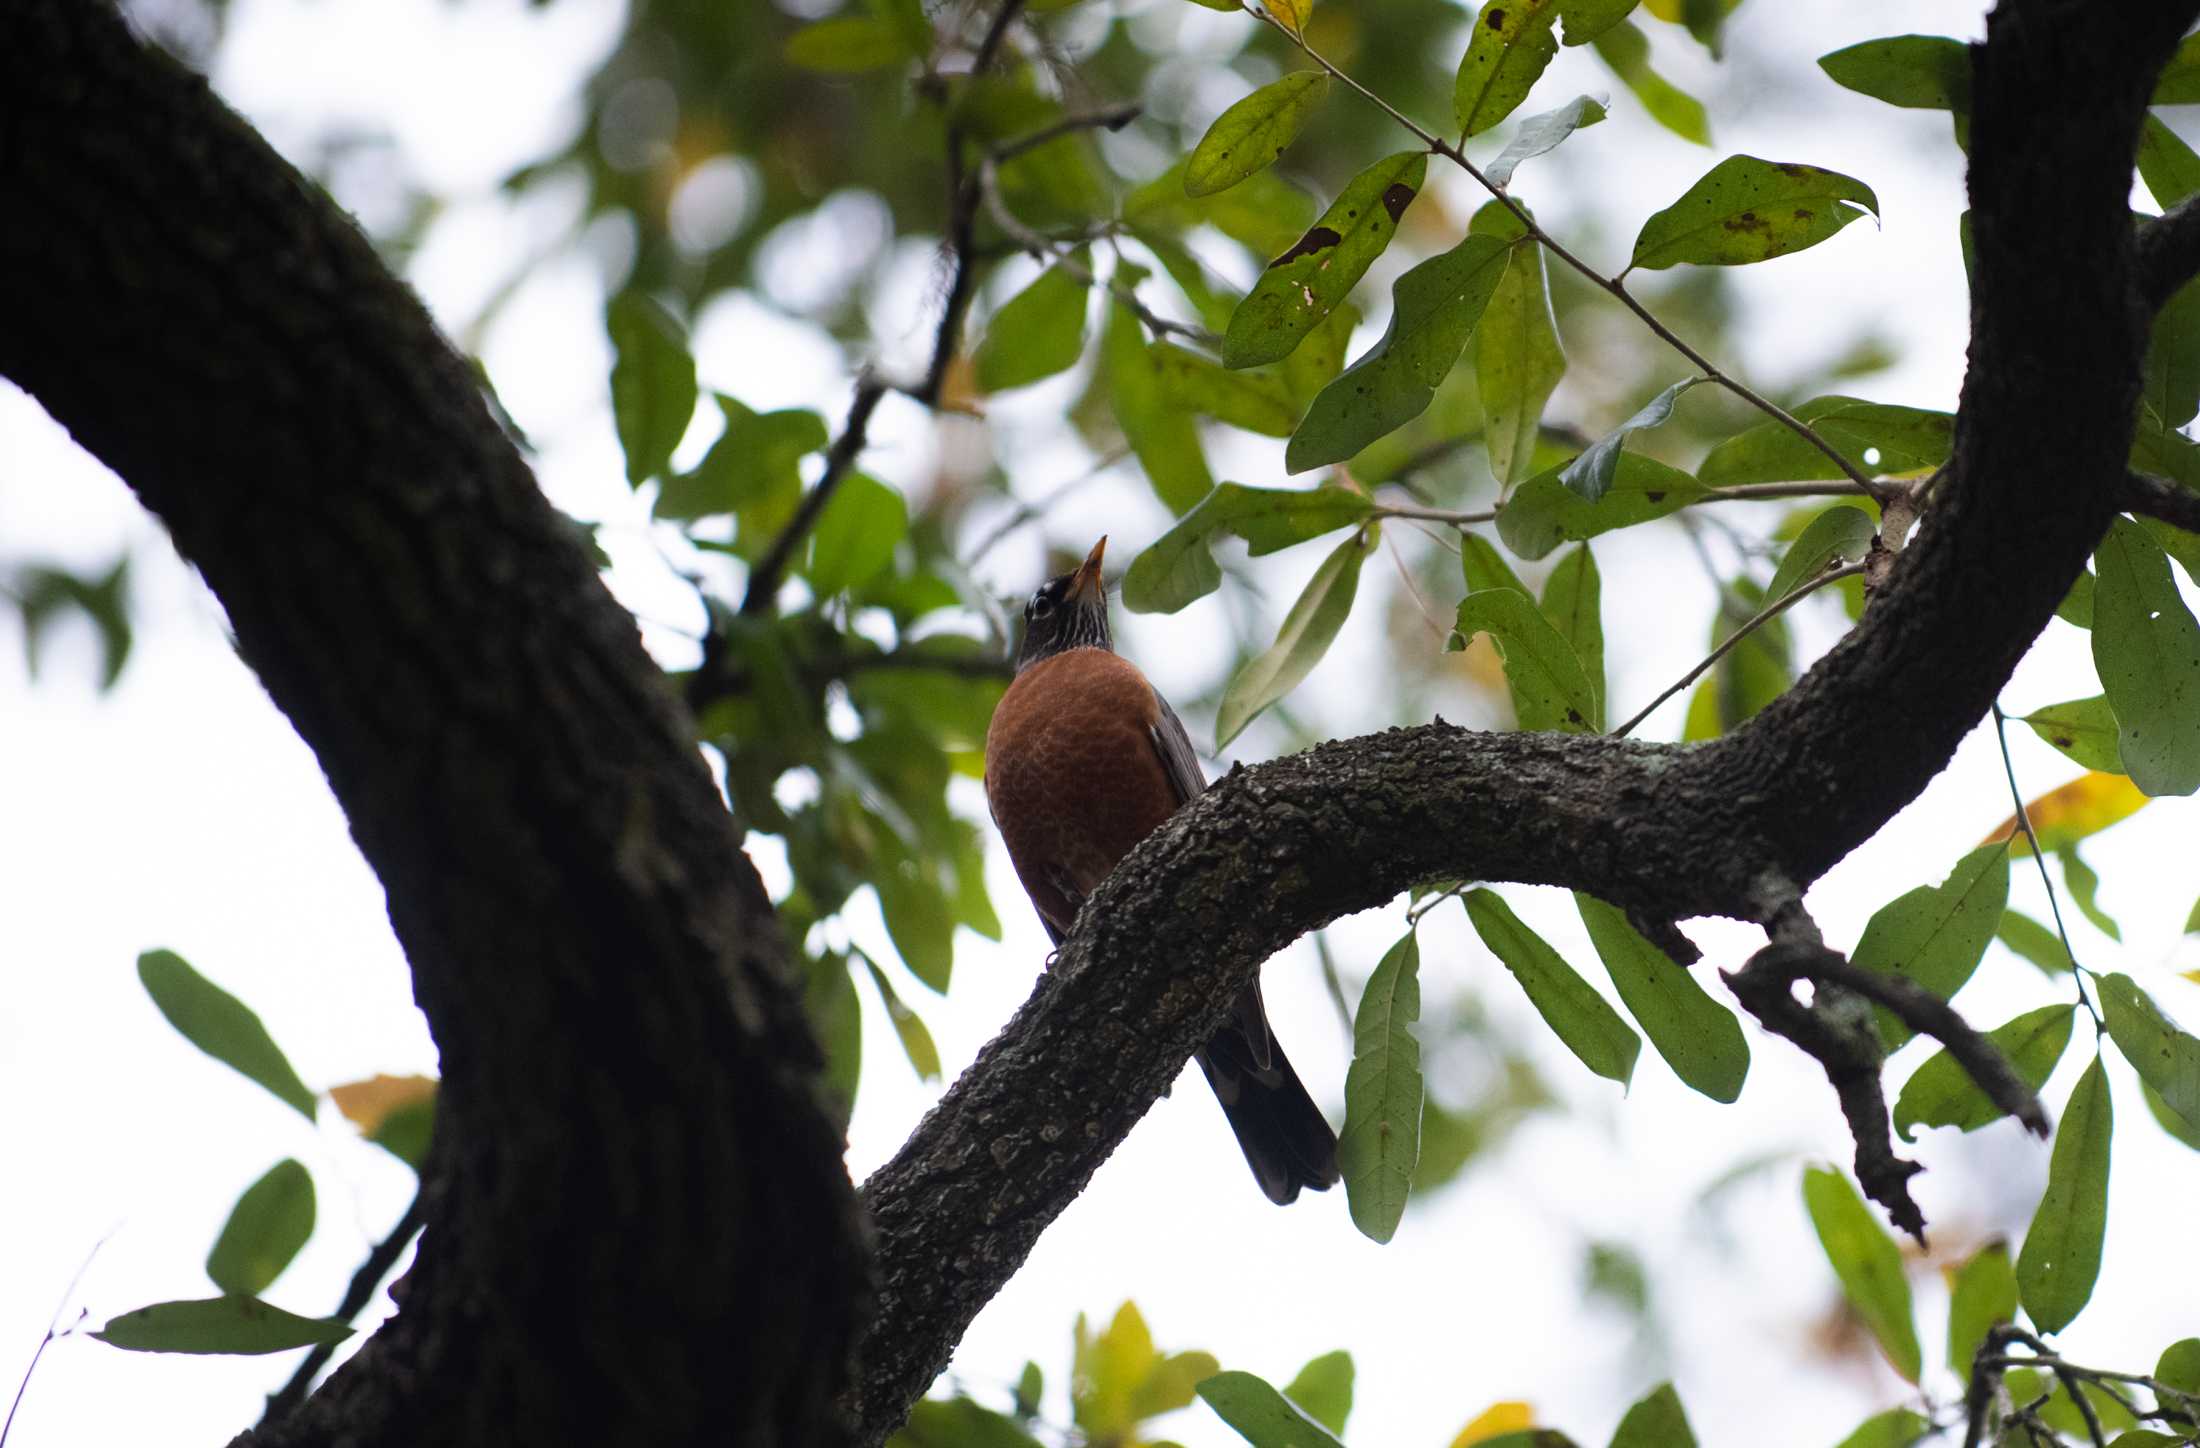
1292	13
2063	816
1506	1417
366	1104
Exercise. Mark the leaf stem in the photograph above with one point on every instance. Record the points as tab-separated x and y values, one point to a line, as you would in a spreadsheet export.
2024	822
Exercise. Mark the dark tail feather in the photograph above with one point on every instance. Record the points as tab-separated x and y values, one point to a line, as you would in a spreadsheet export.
1286	1139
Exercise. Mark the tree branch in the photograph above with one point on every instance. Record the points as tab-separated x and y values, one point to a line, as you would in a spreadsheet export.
380	1259
2169	252
2159	498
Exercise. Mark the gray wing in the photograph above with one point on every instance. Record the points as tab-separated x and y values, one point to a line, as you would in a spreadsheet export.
1178	760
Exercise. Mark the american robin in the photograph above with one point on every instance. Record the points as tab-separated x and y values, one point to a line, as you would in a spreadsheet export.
1082	761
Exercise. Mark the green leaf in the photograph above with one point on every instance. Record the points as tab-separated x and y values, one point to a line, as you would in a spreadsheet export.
1172	1384
753	471
2084	729
1484	567
236	1325
1936	935
1315	362
2181	1129
829	1000
2084	887
1107	1371
1036	333
1747	210
1434	307
2146	648
1303	285
1542	133
1942	1093
222	1026
270	1222
2179	82
652	383
849	45
2062	1251
1573	600
1512	44
1030	1388
918	918
1876	437
1254	132
1590	474
1258	402
1984	1295
855	534
1838	535
1162	434
958	1423
2033	942
1919	72
2170	168
1543	512
2179	1366
2165	1057
1868	1263
1323	1388
1307	632
1178	568
1550	689
1262	1416
1655	1422
2077	605
1381	1140
1698	1037
1627	51
1895	1428
1591	1029
1585	20
1517	358
916	1041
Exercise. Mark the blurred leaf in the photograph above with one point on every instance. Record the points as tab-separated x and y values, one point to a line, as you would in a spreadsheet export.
753	470
1920	72
1254	132
1698	1037
2179	1366
1303	285
1178	568
1323	1389
1542	133
1877	437
1381	1140
1107	1371
958	1423
1030	1388
42	594
2146	647
829	1000
1868	1263
1579	1016
222	1026
2033	941
849	45
2169	167
1655	1422
1257	402
2179	82
1895	1428
1935	935
1512	43
1262	1416
2077	605
1942	1093
1982	1294
916	1041
1160	432
918	919
2059	1413
1507	1419
1590	474
1308	629
1550	689
1543	512
1434	308
2062	1251
1038	332
2166	1058
1627	51
1573	600
2071	812
231	1325
1838	535
652	383
270	1222
396	1113
1292	13
856	534
1585	20
1748	210
1172	1384
2084	729
2083	885
1517	357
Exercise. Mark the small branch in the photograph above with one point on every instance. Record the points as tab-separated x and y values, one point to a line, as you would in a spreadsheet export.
1739	493
2167	254
771	569
1927	1014
2162	499
284	1401
1763	616
2039	859
1111	118
54	1330
1028	512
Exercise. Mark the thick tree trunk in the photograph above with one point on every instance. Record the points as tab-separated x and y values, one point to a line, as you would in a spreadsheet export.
639	1227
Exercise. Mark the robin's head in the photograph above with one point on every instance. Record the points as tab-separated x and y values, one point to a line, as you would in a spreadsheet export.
1070	611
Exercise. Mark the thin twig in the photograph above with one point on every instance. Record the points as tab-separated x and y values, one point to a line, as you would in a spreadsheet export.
1615	286
771	569
1028	512
1333	983
356	1297
1110	118
54	1330
2160	498
1763	616
2039	859
1739	493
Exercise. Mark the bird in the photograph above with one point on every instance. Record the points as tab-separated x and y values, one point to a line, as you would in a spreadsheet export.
1083	759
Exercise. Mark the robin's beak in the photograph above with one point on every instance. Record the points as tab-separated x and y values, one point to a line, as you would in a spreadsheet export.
1086	584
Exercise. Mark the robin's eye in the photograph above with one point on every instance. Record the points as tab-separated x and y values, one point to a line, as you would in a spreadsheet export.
1041	606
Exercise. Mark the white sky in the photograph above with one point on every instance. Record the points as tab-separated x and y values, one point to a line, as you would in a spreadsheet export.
182	811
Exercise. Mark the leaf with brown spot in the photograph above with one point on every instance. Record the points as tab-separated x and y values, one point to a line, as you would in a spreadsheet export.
1309	281
1746	210
1511	46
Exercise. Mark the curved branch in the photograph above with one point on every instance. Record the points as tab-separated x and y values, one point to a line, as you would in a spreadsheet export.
2169	252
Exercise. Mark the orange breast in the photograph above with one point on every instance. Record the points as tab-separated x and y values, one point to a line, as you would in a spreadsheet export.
1072	774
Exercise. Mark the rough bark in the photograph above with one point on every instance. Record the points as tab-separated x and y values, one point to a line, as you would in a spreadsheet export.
639	1227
